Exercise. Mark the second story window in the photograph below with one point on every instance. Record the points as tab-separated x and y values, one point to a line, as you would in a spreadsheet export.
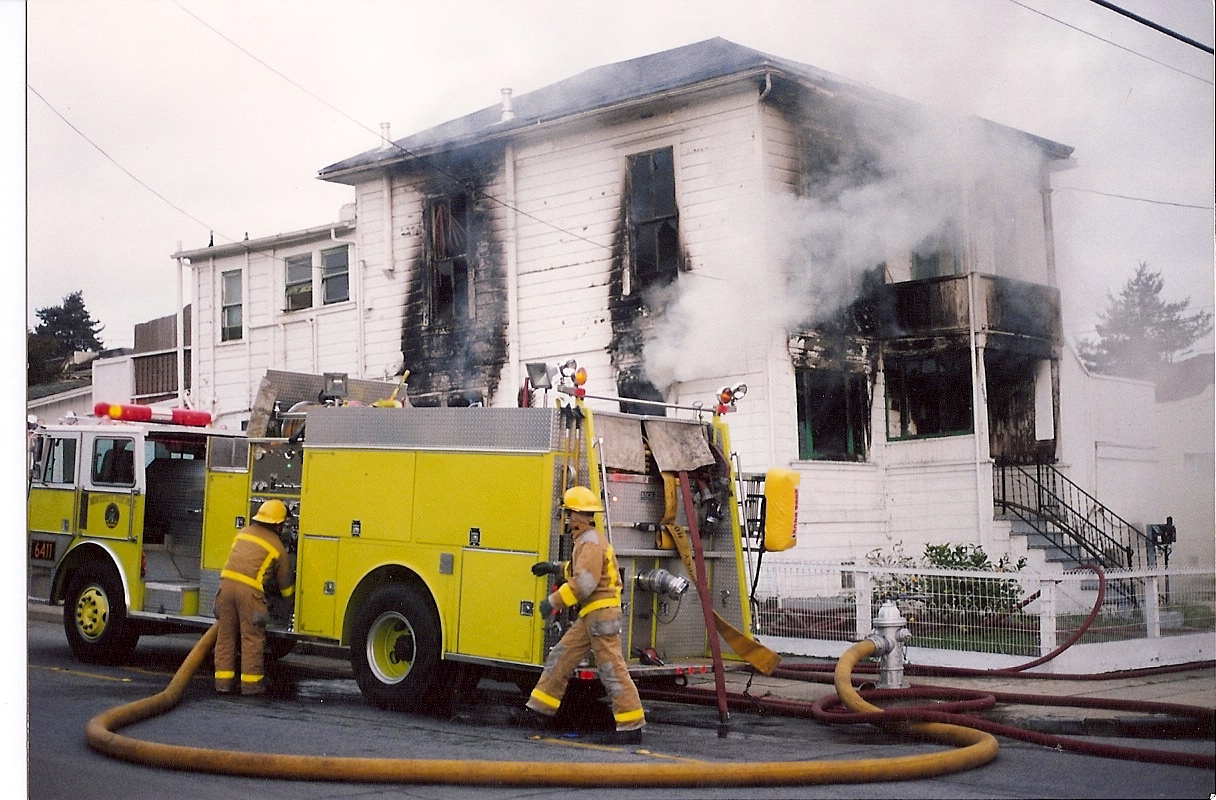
231	325
937	256
297	294
447	221
654	224
335	275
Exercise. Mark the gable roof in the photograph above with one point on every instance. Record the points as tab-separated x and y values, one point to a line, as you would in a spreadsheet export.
607	86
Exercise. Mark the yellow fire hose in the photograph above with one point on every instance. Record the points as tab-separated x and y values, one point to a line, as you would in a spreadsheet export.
975	748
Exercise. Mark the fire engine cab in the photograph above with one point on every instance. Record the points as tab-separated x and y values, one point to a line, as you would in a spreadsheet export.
413	529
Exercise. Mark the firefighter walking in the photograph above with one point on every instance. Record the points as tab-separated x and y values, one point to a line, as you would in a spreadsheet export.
592	582
257	556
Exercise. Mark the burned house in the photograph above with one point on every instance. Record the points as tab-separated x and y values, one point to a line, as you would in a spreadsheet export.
880	276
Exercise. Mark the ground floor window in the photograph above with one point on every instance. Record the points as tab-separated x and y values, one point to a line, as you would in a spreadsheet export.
833	413
928	395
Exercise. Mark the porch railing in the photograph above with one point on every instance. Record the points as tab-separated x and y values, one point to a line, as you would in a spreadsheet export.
1069	517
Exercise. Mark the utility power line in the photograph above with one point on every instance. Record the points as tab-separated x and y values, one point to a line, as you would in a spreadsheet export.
1106	4
1112	44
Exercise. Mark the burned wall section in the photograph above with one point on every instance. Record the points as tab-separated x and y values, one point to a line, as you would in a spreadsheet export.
633	316
457	357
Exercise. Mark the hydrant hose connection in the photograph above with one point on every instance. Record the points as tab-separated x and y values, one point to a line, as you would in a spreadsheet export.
973	749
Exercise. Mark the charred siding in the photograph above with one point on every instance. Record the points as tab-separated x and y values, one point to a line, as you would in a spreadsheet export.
460	362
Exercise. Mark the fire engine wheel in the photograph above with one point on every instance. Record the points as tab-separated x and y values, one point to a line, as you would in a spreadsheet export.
95	618
395	650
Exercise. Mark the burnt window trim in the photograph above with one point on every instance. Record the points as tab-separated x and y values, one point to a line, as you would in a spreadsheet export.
662	215
441	312
895	367
856	421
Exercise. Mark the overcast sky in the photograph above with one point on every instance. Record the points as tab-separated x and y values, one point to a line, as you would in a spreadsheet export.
151	123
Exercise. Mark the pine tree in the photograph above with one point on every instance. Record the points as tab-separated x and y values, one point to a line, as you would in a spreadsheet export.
70	326
1138	333
64	329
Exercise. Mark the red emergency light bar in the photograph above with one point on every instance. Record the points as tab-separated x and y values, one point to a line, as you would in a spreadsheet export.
136	413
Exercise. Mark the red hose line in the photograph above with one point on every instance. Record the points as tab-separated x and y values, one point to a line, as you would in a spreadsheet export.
821	710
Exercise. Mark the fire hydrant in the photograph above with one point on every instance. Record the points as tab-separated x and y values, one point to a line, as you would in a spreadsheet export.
889	636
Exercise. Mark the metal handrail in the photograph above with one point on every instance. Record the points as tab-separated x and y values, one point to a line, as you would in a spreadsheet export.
1042	499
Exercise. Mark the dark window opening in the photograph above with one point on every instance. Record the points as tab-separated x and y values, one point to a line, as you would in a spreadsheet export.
448	239
833	415
928	395
654	226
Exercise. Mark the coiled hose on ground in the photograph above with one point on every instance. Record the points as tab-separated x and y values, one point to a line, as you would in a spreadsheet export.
1195	721
972	748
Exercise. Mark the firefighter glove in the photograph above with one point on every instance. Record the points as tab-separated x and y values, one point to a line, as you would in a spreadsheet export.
546	609
546	568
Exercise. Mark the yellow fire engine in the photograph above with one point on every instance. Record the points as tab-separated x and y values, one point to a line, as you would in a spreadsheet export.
413	528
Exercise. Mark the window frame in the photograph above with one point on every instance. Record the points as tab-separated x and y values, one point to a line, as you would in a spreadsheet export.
297	291
852	394
228	331
99	454
335	274
449	265
906	395
55	469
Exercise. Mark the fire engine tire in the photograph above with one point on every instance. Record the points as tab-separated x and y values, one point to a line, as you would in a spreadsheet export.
95	618
278	648
395	649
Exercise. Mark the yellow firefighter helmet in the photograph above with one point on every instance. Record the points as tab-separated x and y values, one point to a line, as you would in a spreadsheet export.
272	512
580	498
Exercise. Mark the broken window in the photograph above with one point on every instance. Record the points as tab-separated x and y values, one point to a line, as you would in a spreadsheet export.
335	275
297	293
833	415
231	327
928	395
654	225
448	243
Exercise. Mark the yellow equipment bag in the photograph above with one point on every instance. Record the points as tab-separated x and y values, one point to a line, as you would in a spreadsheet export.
780	508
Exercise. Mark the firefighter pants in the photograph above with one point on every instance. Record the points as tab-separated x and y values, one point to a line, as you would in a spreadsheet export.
241	616
599	632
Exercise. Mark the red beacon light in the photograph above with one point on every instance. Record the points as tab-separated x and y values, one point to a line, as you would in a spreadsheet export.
727	396
127	412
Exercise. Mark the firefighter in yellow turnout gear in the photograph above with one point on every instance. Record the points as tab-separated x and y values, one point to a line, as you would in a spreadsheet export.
240	604
592	582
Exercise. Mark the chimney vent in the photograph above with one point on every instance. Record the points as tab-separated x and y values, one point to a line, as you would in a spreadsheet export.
387	140
508	111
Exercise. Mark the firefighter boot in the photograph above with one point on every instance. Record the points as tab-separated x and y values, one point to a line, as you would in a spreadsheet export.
531	720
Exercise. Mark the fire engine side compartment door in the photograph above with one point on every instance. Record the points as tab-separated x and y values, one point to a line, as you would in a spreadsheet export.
498	598
316	584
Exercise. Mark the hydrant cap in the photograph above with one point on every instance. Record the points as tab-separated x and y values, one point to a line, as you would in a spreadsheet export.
889	614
